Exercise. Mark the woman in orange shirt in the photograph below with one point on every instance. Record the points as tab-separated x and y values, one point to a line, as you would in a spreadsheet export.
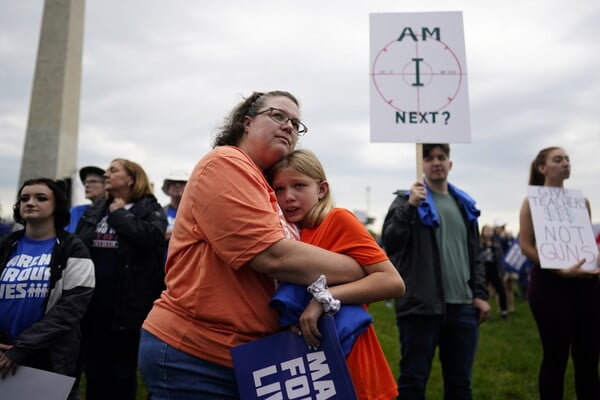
229	244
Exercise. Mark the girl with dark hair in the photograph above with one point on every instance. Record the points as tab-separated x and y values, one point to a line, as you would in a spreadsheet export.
46	283
565	302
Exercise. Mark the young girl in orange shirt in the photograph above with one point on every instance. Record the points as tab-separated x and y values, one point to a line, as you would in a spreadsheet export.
303	195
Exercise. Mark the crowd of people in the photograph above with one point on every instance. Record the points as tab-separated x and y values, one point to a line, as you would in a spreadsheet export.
124	284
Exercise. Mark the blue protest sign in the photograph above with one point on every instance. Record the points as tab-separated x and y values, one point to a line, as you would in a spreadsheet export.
282	367
513	259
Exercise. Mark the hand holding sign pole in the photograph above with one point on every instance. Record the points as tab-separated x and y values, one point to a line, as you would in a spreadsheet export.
419	90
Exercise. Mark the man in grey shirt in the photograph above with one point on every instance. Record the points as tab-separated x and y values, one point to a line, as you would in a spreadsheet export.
432	237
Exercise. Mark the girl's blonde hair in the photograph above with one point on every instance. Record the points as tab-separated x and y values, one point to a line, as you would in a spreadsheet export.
307	163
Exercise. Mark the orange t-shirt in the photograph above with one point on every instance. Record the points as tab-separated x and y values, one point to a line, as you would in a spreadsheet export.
213	300
343	233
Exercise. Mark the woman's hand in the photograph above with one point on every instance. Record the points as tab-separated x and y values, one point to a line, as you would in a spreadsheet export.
116	204
6	364
308	323
576	271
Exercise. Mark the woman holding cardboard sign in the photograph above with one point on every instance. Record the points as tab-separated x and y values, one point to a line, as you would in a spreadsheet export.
565	302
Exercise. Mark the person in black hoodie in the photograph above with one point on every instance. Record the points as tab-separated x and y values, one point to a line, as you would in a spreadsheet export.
46	284
125	234
432	237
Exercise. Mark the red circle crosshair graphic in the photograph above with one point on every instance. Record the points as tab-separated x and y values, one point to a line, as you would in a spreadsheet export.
423	75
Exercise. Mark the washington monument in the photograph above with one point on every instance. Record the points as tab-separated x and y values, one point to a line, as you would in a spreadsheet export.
51	139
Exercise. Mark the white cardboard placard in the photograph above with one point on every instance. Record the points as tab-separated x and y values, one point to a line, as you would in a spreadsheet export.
562	227
418	78
30	383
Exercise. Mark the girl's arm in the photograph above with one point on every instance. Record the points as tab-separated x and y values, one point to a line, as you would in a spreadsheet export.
526	235
382	282
343	232
301	263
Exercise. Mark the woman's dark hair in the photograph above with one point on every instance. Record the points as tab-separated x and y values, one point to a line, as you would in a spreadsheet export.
232	130
535	176
62	215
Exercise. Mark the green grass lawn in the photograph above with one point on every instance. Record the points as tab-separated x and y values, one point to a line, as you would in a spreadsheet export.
506	364
507	360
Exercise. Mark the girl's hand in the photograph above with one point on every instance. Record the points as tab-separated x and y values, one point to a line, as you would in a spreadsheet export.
308	323
576	271
6	364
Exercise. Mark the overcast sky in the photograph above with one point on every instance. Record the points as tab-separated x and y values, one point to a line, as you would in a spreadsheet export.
159	76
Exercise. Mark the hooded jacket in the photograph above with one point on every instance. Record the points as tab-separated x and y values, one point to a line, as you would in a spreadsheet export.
412	248
53	342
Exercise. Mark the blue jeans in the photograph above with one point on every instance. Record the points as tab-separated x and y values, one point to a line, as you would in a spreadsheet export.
171	374
456	333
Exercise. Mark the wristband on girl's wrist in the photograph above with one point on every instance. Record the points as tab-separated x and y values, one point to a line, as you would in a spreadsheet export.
321	294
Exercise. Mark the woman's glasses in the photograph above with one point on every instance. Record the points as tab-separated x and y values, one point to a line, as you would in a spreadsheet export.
282	118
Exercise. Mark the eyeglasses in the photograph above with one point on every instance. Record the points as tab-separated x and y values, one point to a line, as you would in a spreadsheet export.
92	181
282	118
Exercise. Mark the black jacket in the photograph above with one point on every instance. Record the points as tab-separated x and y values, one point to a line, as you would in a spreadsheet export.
53	342
140	269
413	249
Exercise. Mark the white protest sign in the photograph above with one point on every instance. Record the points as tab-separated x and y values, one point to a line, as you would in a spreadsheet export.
562	227
418	78
30	383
